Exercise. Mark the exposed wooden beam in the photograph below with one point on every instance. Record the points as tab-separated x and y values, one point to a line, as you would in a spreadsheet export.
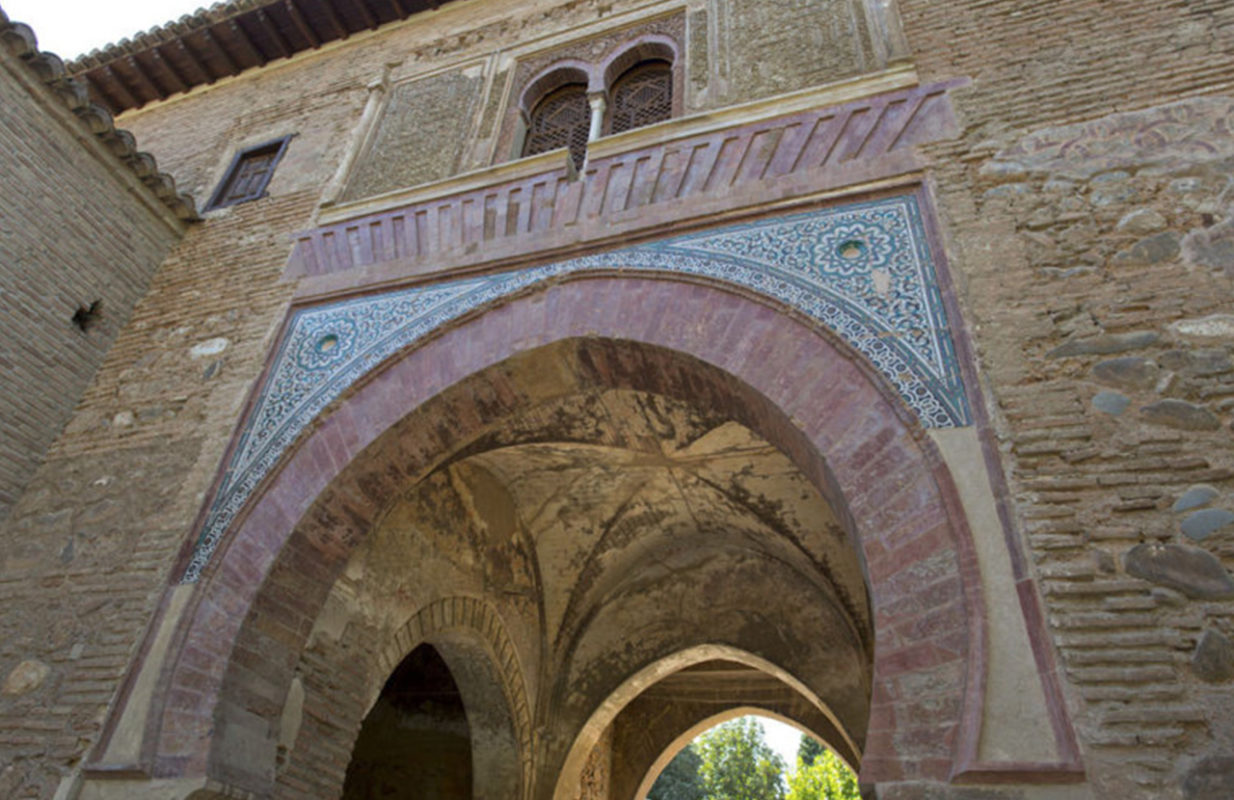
200	66
144	78
246	43
301	24
275	35
181	82
366	14
213	41
231	46
127	98
340	30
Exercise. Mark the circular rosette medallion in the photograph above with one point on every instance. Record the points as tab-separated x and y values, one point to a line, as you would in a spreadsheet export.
852	249
325	344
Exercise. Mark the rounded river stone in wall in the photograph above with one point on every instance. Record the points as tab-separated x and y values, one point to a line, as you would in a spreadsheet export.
1141	221
1209	361
1214	326
1151	250
1111	402
1194	572
1210	779
1205	523
210	347
1181	414
1106	344
1129	372
1210	247
25	678
1195	497
1214	657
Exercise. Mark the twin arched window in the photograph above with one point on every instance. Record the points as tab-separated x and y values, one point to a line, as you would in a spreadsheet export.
642	95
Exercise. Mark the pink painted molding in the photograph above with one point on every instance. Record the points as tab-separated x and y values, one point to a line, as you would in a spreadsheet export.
792	155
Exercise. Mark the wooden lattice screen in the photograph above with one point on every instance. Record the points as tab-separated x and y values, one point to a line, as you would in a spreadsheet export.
642	96
561	119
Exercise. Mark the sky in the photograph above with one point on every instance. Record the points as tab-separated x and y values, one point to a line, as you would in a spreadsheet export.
784	739
70	28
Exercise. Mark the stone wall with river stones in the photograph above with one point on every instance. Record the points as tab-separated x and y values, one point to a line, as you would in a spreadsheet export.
1103	312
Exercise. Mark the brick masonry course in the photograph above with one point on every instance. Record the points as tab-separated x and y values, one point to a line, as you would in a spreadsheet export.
1070	258
1059	265
61	253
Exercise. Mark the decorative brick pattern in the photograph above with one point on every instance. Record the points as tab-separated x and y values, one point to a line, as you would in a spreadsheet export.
698	67
421	135
769	61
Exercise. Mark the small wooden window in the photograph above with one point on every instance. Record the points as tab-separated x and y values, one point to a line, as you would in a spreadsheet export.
249	174
642	96
561	119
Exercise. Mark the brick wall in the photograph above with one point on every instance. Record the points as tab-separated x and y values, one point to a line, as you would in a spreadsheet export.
87	549
73	232
1084	240
422	134
1044	253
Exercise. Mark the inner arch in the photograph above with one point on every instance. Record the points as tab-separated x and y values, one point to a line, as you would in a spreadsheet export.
415	742
675	749
610	529
879	480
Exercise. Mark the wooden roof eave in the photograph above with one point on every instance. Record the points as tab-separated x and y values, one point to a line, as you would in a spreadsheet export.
226	39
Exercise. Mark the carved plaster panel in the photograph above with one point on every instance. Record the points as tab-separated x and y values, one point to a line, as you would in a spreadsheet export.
864	271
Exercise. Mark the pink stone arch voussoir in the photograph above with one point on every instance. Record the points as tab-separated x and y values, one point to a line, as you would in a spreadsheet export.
787	379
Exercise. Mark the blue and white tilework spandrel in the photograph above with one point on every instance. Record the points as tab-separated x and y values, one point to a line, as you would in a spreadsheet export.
864	271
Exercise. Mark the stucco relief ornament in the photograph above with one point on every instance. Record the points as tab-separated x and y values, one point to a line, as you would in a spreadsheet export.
849	250
326	344
862	271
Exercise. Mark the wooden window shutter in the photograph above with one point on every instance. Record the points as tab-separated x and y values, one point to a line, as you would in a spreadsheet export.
249	174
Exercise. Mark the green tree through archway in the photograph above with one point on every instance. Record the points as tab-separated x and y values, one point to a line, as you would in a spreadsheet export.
737	764
680	779
823	777
733	762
